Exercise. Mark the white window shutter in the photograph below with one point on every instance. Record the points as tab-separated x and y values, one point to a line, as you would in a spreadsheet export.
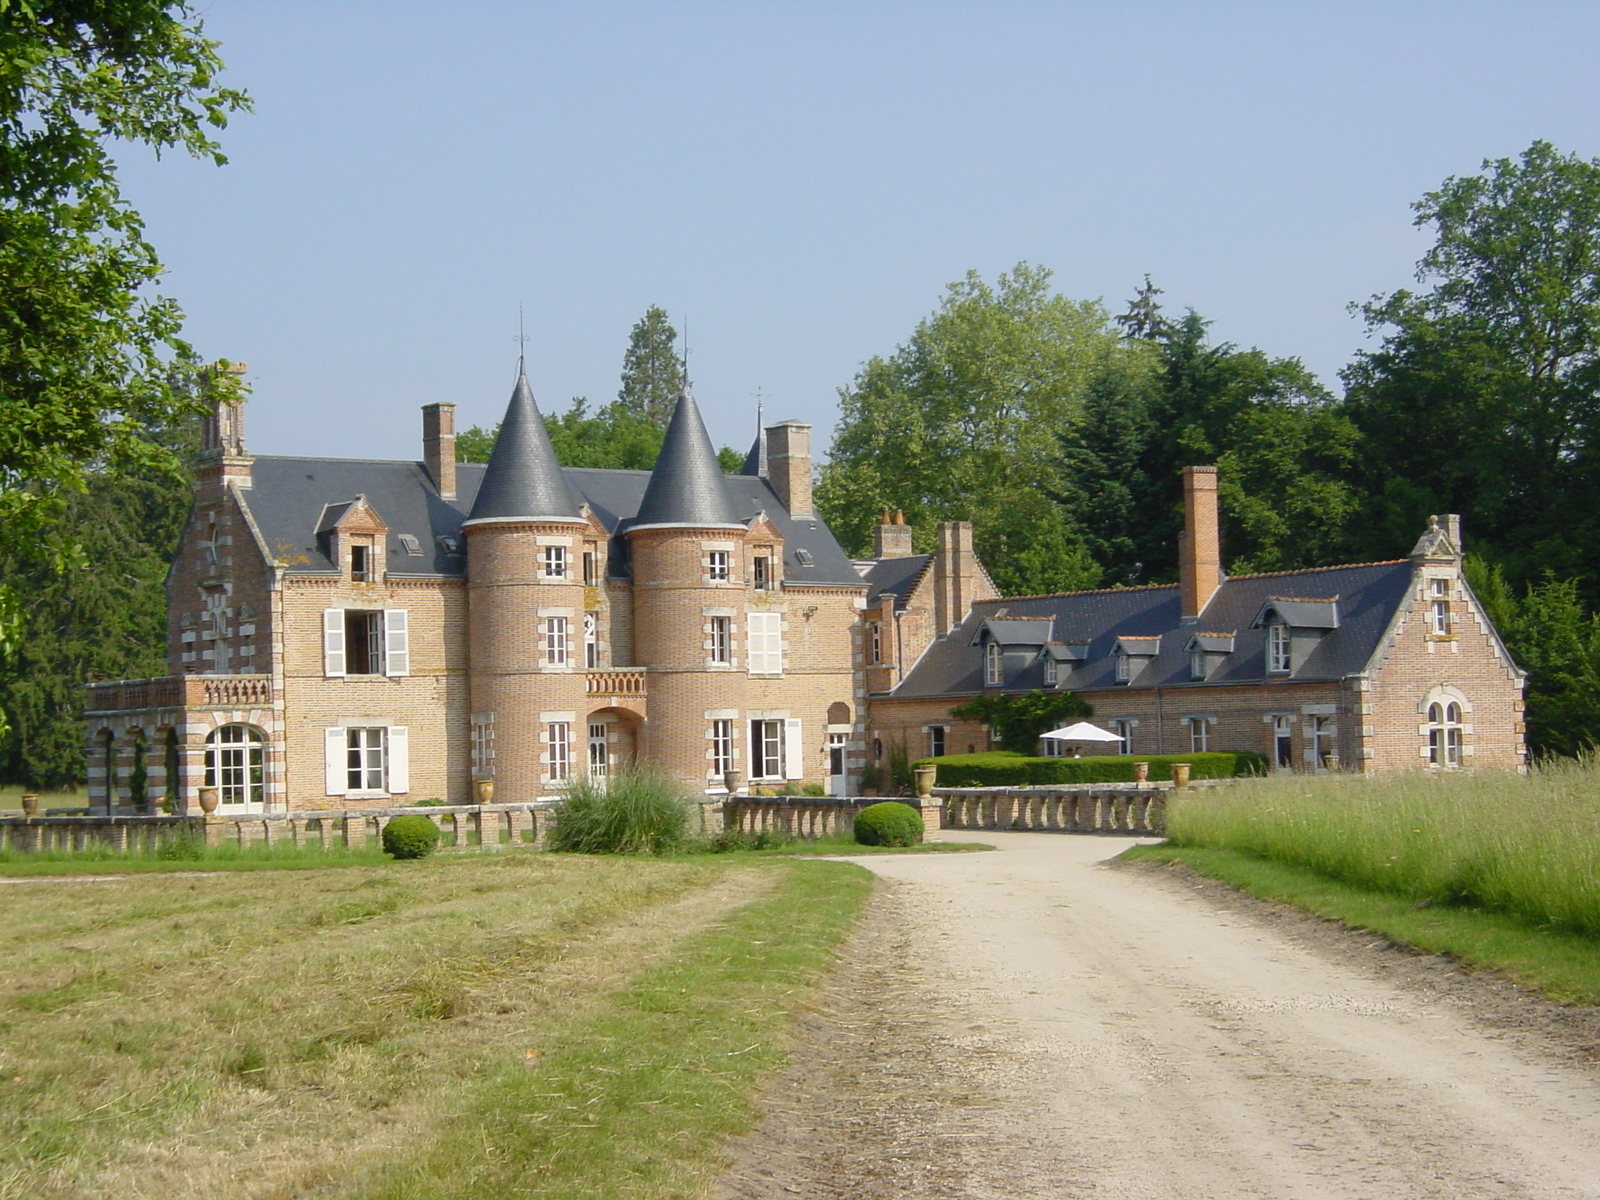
399	763
794	750
333	646
396	642
335	757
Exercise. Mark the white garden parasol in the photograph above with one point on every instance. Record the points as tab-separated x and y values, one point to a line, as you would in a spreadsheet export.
1083	731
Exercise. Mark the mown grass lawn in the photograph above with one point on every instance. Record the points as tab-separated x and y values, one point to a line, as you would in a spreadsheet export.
467	1026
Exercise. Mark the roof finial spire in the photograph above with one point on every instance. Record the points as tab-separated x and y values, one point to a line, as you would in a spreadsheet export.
522	342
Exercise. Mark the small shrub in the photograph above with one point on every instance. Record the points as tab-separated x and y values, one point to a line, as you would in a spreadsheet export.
635	811
737	839
888	824
410	837
430	802
180	847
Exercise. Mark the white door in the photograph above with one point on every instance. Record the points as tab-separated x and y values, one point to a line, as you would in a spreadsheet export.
599	752
836	778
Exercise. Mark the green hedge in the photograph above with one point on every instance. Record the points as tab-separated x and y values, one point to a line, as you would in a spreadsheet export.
1000	768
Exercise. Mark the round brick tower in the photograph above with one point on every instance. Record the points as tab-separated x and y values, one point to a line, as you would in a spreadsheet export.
686	547
525	612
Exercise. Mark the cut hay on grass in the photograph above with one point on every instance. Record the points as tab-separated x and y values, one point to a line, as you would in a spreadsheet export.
344	1032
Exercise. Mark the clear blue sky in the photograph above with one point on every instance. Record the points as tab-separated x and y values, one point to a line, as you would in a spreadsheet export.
800	181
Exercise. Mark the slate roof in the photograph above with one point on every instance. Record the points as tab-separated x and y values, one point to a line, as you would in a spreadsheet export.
1368	596
755	463
1023	631
1301	613
687	486
897	575
290	495
523	478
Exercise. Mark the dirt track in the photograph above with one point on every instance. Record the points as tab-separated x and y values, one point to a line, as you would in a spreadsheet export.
1033	1023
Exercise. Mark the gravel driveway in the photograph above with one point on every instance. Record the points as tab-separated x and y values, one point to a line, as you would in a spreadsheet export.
1036	1023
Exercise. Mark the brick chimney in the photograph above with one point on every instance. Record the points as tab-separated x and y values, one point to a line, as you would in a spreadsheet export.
955	575
789	466
223	457
439	447
1199	548
892	538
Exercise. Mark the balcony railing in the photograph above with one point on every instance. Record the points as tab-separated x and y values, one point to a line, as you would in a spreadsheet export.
180	691
617	683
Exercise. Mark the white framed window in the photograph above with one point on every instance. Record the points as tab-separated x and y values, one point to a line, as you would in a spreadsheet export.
1123	728
761	571
1282	743
588	568
875	642
765	649
994	664
1199	734
1439	623
722	639
936	740
766	749
1197	663
1278	647
555	562
1445	734
483	747
559	739
1052	672
721	747
599	750
360	563
591	640
1124	668
365	641
555	641
235	766
365	759
1322	740
718	567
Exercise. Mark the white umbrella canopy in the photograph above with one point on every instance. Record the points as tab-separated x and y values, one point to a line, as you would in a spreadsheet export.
1083	731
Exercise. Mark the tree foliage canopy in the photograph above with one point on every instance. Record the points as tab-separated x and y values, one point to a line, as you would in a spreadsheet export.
653	373
85	350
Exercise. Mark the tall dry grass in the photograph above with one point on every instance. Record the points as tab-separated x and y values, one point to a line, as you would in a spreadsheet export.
1528	845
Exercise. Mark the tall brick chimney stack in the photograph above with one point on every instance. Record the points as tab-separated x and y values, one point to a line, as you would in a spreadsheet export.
223	457
955	575
893	536
439	447
1199	548
789	466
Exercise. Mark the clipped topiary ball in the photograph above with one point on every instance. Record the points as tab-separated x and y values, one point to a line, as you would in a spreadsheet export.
888	824
410	837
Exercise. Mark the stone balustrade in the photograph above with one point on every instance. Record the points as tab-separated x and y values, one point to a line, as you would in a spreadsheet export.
1125	808
462	825
179	691
809	816
617	683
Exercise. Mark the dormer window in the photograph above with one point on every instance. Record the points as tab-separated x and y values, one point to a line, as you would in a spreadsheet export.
1052	673
360	563
1278	648
761	572
1197	663
994	668
555	562
1124	668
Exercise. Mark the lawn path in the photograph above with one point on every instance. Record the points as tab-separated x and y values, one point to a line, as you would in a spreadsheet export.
1034	1023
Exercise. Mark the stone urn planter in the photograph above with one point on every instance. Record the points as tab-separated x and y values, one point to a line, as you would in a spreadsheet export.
483	789
1141	772
208	800
30	805
925	777
731	781
1180	775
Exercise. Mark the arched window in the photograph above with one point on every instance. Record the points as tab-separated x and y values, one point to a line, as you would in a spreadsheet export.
234	765
1444	734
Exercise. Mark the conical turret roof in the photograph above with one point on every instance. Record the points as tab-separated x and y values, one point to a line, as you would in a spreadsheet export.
687	485
755	463
523	479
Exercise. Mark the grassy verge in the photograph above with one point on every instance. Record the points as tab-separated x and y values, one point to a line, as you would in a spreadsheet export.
633	1098
1561	963
11	798
101	860
509	1024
